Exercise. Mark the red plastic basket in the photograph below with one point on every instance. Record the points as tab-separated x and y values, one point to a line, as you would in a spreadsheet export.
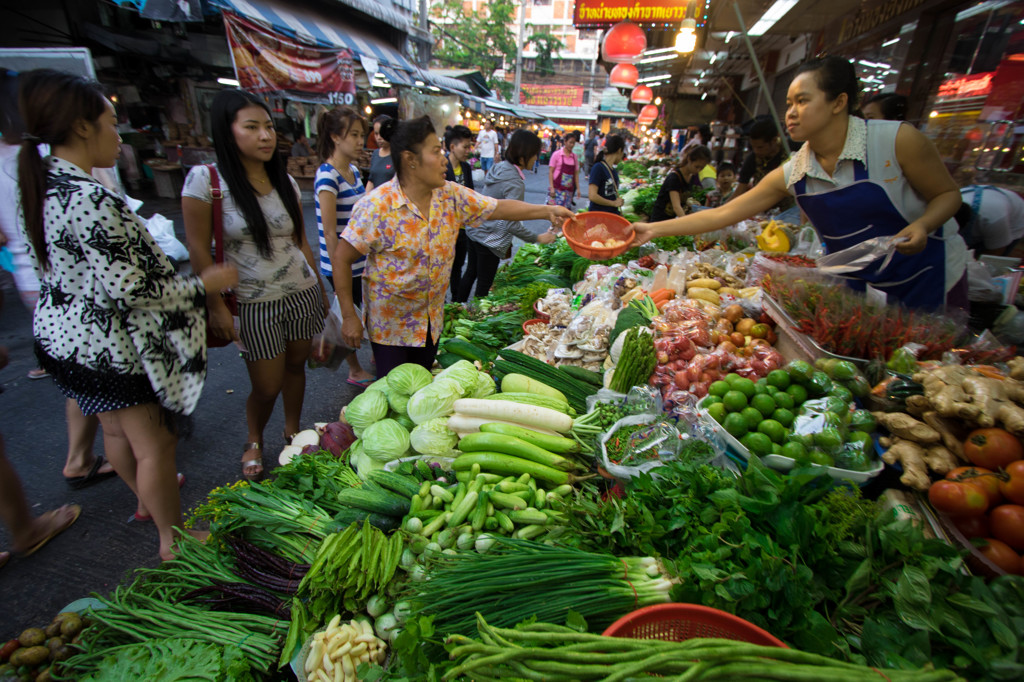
679	622
618	228
541	315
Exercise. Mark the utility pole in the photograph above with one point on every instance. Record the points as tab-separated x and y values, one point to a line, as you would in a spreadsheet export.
519	52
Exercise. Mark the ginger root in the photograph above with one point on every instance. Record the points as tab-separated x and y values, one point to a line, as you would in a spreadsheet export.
939	459
917	405
947	431
913	458
907	428
983	401
1016	366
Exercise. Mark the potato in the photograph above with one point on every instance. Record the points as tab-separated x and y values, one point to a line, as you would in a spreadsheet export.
705	283
44	676
61	654
53	629
30	656
54	643
32	637
704	294
71	626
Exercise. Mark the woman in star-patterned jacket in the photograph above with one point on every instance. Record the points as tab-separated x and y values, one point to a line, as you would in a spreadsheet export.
117	329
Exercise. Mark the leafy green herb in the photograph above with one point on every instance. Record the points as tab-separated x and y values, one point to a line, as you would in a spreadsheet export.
171	660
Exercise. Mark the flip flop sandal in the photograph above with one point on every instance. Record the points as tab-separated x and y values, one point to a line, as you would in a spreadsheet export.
253	462
361	383
77	511
147	517
38	373
94	475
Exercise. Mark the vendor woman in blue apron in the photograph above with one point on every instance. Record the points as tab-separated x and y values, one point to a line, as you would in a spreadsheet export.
855	180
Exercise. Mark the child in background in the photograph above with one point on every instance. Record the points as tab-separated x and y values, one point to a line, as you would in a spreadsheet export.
725	185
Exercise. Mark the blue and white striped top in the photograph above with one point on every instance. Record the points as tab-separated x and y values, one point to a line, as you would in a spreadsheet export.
328	178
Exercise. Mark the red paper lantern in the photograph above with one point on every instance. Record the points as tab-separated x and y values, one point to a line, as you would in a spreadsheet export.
624	43
649	112
641	95
624	76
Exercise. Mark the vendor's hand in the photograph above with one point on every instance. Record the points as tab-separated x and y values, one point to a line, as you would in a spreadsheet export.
222	323
916	236
546	237
619	201
559	214
325	302
219	277
352	331
643	233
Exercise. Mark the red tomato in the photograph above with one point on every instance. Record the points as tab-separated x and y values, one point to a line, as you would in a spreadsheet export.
957	499
1007	523
1013	489
985	479
9	648
1001	555
973	526
993	448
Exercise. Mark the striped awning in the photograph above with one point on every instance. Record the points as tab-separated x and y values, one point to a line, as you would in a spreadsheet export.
314	30
445	82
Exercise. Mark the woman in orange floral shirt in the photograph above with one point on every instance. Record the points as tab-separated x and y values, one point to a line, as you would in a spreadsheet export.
407	229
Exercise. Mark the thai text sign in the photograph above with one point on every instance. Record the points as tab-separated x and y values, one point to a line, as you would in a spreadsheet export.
597	13
269	62
977	85
551	95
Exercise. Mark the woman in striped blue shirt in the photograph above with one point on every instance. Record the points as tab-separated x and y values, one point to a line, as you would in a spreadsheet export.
341	133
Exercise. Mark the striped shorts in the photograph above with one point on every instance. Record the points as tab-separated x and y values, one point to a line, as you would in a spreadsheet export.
265	327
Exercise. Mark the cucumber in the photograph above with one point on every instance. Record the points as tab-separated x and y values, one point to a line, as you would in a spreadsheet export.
556	444
510	445
446	360
586	375
377	501
396	483
468	351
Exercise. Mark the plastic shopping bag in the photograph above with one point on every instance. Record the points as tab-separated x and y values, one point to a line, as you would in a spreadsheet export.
859	257
328	348
162	230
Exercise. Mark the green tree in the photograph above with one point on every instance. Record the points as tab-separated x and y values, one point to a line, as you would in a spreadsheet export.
478	40
548	46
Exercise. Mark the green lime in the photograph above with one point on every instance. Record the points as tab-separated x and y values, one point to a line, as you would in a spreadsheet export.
783	399
778	378
798	393
773	390
718	388
795	451
819	384
761	386
763	404
784	416
825	364
841	392
832	420
736	425
744	386
776	449
710	400
828	439
836	405
862	420
753	417
864	440
734	401
804	439
843	370
757	443
799	371
859	386
773	429
731	378
717	412
822	458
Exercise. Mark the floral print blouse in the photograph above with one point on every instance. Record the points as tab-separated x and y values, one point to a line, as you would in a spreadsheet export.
409	258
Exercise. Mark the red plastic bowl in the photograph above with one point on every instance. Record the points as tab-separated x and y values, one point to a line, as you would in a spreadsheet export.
618	228
679	622
530	323
541	315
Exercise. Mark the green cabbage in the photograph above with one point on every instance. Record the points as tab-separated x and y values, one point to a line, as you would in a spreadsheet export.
408	378
384	441
406	423
433	437
398	401
484	386
366	408
436	400
464	373
379	385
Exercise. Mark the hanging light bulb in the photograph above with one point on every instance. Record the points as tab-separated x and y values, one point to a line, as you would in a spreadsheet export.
641	95
624	76
686	40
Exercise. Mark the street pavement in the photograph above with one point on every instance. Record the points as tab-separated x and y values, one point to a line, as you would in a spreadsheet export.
105	545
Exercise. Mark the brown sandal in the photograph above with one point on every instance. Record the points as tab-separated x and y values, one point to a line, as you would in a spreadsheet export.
255	462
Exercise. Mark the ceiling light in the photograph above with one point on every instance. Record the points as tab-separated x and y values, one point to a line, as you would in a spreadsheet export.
664	58
714	57
768	19
704	96
686	40
420	83
660	50
657	101
891	42
228	81
661	76
728	36
384	100
368	109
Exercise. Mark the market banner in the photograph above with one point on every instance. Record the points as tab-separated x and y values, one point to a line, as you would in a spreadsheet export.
266	61
535	94
605	13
